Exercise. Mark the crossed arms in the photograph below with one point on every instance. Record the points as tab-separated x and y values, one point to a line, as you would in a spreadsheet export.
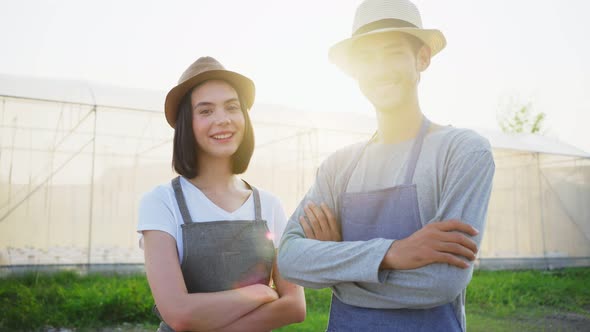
427	269
252	308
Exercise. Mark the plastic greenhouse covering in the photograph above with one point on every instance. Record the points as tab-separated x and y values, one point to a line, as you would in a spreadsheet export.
75	159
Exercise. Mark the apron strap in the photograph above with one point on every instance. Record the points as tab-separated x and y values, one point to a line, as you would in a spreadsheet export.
186	217
413	158
355	161
415	152
257	209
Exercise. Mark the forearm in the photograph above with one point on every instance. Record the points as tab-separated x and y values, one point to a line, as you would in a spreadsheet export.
432	284
193	311
429	268
317	264
466	199
288	309
425	287
268	316
208	311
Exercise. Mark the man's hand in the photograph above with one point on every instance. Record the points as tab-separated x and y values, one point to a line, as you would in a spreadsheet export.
439	242
320	224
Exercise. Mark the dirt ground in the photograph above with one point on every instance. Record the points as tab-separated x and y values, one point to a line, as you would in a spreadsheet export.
564	322
553	322
560	323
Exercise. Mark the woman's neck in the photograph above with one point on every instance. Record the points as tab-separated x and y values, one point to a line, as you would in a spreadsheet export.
215	175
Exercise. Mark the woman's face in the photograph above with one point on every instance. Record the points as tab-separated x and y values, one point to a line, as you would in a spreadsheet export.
218	121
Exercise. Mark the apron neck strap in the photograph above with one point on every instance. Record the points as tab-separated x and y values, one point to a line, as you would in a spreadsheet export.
415	152
186	217
355	161
257	209
413	158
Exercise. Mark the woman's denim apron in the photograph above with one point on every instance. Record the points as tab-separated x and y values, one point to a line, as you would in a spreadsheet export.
390	213
223	255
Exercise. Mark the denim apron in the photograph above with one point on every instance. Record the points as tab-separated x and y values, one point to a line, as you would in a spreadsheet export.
390	213
225	254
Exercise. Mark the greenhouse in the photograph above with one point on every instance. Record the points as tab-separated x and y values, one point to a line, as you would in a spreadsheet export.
76	157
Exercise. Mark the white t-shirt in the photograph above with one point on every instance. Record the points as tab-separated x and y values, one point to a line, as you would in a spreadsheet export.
158	210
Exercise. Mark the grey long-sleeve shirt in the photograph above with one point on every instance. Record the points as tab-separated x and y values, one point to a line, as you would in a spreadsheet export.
453	178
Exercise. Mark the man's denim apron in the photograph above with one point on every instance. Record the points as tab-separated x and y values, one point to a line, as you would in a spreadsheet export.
223	255
390	213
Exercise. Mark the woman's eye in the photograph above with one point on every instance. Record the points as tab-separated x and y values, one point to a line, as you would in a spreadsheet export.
233	108
205	111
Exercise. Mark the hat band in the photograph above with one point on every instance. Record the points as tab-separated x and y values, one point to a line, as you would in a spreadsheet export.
383	24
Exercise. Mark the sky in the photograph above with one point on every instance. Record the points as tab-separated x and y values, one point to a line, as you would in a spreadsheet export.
499	53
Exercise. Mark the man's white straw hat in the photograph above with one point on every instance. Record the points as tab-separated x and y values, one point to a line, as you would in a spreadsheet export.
381	16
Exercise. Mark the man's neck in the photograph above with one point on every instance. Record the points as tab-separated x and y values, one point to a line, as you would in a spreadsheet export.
398	125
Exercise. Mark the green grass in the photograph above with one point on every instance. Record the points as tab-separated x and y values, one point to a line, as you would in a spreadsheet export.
318	305
504	292
522	301
66	299
496	301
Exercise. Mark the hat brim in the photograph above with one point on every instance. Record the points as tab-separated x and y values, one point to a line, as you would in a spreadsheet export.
243	85
339	54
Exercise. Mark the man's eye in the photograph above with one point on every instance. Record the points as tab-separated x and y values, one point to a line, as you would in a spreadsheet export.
363	57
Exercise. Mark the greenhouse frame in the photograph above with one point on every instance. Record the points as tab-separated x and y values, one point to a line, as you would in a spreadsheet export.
76	157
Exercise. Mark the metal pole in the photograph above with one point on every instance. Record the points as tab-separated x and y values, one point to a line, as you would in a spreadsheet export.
92	188
541	212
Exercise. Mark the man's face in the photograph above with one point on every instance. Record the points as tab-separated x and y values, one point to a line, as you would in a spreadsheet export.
387	68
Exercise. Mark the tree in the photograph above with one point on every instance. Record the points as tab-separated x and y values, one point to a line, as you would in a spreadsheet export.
521	119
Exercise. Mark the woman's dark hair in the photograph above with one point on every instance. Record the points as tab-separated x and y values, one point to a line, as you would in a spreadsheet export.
185	155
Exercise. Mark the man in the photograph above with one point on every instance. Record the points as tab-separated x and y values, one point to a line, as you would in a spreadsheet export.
397	228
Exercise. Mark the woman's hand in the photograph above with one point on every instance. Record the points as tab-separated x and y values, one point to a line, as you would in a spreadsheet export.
289	308
260	293
319	223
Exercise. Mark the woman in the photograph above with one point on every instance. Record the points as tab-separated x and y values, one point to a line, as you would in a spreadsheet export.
209	255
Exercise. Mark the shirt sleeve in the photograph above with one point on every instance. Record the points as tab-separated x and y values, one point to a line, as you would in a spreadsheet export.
155	213
320	264
465	196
